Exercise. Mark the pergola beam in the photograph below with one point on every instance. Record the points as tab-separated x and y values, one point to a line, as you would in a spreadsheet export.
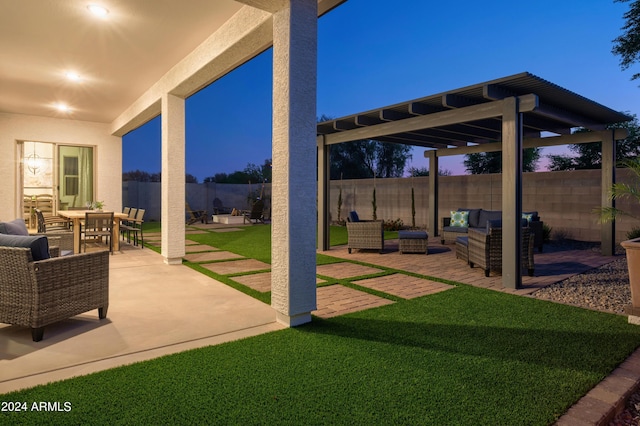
575	138
445	118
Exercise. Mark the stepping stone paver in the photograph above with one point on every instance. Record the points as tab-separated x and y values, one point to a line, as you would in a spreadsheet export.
404	286
209	256
260	282
335	300
345	270
192	248
237	266
195	231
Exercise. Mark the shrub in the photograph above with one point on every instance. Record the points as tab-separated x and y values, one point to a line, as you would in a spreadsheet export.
393	225
546	233
561	234
634	233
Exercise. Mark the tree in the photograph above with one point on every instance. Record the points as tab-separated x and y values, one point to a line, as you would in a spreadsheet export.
622	190
366	158
491	162
252	173
423	171
589	155
627	46
140	176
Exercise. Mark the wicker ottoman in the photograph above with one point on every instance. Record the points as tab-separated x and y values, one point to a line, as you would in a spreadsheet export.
413	241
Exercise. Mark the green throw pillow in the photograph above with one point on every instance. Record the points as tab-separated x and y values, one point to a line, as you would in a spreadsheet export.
460	218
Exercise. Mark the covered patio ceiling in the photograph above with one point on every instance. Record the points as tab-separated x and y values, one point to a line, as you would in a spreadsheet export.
436	121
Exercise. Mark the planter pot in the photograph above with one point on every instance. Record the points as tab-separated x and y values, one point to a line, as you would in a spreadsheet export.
632	248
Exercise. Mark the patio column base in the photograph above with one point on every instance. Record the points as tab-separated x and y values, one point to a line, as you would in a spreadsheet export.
173	260
634	314
293	321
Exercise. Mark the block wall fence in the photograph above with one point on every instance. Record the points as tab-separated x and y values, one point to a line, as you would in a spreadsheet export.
564	200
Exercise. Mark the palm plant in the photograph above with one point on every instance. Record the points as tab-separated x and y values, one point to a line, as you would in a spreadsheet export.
620	191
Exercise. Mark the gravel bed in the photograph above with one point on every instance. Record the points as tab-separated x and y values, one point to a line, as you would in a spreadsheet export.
604	289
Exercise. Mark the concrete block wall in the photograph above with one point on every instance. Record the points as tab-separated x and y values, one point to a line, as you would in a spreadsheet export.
564	200
146	195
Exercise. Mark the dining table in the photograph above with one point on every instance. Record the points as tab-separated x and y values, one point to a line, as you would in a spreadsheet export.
75	216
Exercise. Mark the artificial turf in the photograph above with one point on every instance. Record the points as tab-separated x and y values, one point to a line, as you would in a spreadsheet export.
466	356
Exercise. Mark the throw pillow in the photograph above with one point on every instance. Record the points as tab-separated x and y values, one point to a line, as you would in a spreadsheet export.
353	216
528	217
39	245
15	227
459	218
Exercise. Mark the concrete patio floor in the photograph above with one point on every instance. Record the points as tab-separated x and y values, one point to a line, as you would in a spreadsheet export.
154	310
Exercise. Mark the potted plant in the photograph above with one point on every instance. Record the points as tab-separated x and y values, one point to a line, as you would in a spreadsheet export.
632	245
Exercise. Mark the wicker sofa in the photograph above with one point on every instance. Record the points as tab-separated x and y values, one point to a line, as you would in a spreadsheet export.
364	234
37	293
478	219
484	248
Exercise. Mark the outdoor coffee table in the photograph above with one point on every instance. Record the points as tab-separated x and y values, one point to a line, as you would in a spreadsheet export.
413	242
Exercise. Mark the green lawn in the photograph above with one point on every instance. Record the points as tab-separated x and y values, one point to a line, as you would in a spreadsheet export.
466	356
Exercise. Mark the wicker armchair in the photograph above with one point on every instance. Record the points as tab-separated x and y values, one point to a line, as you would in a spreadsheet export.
365	234
38	293
485	249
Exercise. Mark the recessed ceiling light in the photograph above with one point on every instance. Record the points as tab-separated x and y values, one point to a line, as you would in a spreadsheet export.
73	76
98	11
63	107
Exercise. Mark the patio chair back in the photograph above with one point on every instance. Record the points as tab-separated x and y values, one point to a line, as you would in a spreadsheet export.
257	213
98	225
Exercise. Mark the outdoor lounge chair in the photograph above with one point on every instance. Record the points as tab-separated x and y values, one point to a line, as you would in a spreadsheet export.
485	248
256	214
195	215
219	208
364	234
37	293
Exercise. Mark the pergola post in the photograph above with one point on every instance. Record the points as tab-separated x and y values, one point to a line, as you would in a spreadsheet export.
511	194
293	235
608	229
432	219
173	179
324	181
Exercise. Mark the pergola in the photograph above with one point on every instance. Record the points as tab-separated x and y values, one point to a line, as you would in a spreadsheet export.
508	115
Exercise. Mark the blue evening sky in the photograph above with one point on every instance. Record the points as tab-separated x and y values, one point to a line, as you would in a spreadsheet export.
373	53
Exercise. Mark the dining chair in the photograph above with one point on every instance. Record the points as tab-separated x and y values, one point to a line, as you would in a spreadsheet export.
98	225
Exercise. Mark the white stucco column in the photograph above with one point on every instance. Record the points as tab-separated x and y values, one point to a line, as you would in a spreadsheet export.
173	179
293	247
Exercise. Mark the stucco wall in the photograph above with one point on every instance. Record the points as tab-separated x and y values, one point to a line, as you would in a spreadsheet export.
107	151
